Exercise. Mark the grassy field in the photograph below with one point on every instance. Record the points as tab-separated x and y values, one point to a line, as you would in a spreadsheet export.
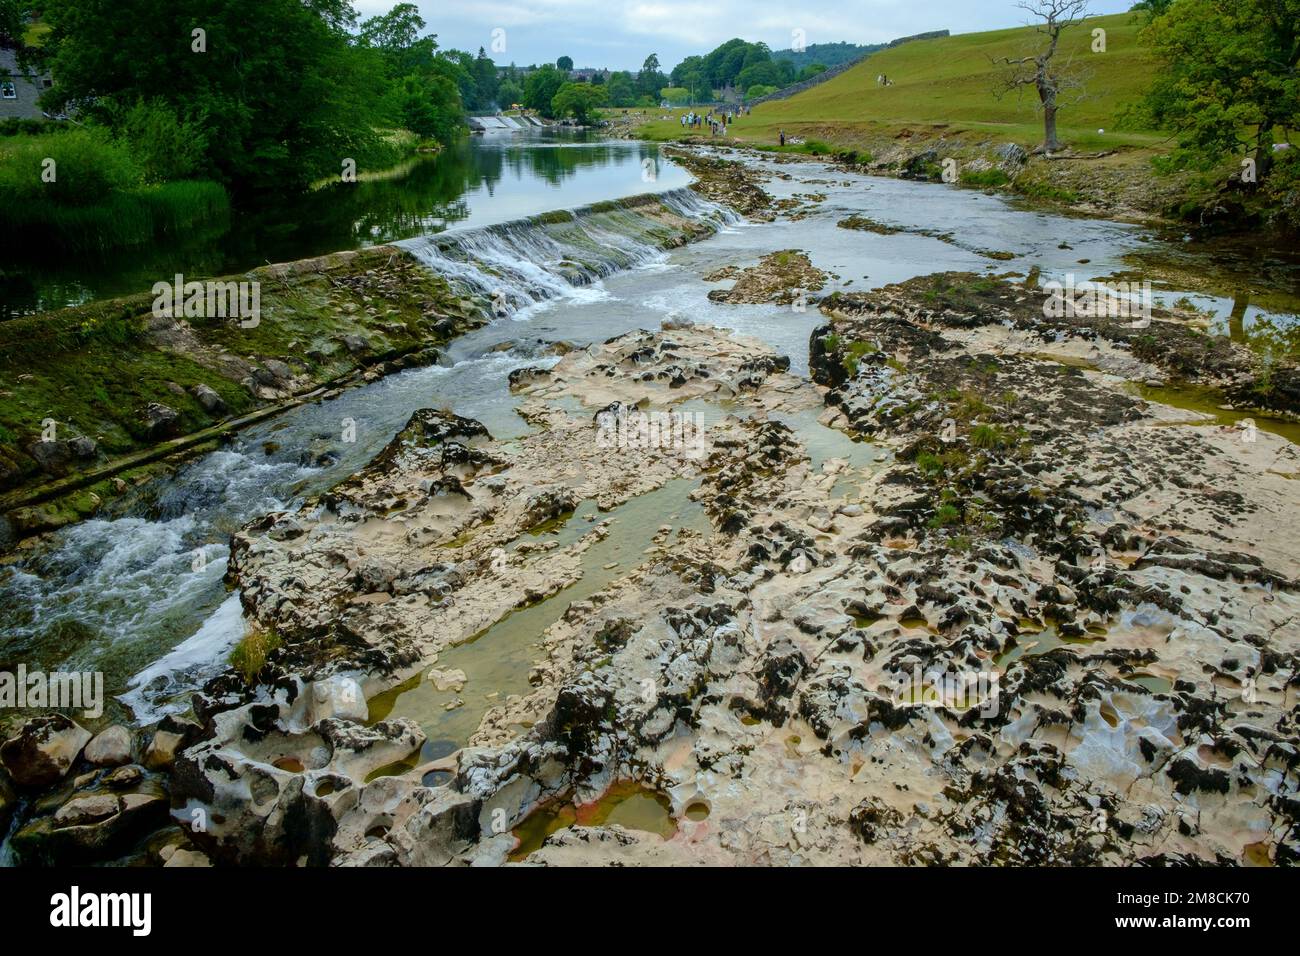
947	86
35	33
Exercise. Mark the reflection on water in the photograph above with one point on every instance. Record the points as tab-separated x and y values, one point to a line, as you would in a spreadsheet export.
479	181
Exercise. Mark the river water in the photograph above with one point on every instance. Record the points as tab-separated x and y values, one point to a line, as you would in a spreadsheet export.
138	592
480	181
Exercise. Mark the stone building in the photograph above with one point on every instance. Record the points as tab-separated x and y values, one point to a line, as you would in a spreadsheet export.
20	87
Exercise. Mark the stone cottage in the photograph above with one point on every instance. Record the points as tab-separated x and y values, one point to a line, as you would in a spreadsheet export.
20	87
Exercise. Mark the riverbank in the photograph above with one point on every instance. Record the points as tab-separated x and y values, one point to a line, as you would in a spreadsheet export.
175	386
100	390
1113	182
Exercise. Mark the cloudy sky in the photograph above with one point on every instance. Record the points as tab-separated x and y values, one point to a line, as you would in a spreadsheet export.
620	33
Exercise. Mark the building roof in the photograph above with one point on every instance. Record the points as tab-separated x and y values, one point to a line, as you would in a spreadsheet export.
9	64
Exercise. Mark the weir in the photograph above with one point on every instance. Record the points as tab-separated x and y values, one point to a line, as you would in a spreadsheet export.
520	264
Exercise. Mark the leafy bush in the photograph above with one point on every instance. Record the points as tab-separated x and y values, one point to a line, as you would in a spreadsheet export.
30	127
166	146
88	165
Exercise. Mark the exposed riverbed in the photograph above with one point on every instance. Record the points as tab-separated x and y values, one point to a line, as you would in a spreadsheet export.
139	592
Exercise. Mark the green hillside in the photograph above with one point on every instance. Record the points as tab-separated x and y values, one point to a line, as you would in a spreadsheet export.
948	84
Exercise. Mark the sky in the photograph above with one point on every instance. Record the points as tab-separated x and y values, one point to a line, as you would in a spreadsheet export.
619	34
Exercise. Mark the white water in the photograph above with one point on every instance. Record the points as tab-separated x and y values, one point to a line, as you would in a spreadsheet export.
157	689
520	265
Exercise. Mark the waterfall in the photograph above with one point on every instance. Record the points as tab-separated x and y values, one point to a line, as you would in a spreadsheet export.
518	265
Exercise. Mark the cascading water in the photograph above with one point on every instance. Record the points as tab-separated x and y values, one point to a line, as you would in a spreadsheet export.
139	593
519	265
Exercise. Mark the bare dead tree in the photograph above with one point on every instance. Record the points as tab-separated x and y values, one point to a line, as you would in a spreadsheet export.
1038	70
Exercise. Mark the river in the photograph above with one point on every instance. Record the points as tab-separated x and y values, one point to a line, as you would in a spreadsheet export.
138	593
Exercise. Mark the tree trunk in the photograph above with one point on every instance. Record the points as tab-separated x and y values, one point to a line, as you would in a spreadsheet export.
1264	151
1047	96
1050	142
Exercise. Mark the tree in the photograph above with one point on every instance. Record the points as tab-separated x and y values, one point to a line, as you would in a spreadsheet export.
564	64
13	22
764	72
540	89
620	89
579	100
650	80
485	80
1037	70
722	66
1230	77
509	93
429	106
263	131
811	70
698	85
1151	9
690	65
396	32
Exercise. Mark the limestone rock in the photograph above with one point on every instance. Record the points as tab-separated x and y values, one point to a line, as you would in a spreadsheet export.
110	748
43	751
161	752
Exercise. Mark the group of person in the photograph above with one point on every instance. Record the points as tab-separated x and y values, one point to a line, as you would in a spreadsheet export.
717	123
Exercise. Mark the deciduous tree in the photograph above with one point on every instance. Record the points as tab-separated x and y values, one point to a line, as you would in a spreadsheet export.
1049	77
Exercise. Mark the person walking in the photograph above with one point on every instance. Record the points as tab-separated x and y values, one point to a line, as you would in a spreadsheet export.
782	137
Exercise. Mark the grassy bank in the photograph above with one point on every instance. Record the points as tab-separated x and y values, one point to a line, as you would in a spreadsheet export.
942	99
96	369
126	218
948	84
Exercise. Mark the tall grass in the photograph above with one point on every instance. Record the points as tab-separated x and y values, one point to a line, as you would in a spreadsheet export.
81	191
73	168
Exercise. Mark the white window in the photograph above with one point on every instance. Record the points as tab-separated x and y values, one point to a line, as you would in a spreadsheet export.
8	91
